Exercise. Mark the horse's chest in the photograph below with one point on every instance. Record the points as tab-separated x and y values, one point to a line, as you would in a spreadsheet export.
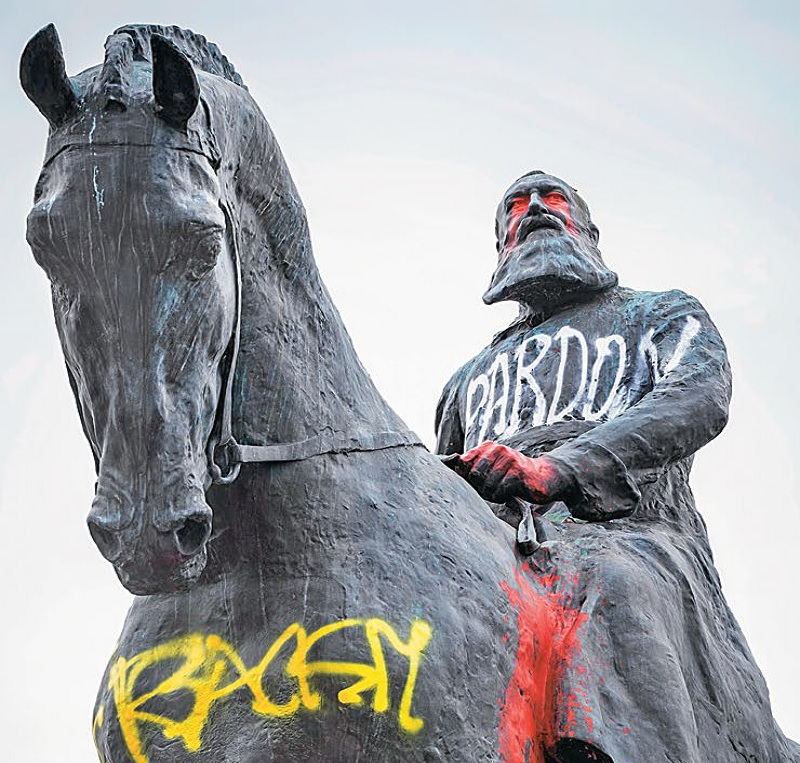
298	675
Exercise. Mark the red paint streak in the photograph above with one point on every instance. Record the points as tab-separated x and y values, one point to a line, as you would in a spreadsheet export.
548	639
518	209
558	203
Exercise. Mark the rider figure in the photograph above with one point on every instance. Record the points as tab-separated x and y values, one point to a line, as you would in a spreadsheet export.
595	400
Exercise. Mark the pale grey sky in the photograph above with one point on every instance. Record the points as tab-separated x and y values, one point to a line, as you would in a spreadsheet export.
403	127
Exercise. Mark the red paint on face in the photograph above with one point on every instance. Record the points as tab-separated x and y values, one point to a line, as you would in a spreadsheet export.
518	209
555	201
558	203
548	639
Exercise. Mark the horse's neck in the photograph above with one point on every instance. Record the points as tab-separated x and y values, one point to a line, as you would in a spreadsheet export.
298	374
297	377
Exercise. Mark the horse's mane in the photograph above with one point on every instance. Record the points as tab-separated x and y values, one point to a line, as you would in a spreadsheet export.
203	54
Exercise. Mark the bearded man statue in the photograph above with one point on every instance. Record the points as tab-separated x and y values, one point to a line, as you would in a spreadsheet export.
588	410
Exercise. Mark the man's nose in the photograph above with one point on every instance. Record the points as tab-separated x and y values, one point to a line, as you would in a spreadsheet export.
536	206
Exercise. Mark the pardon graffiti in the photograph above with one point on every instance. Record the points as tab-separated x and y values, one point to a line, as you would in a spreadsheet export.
496	397
209	668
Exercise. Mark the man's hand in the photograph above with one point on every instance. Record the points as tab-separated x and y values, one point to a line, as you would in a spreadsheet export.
500	473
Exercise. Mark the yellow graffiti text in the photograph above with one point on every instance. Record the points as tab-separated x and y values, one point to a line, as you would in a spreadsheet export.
210	669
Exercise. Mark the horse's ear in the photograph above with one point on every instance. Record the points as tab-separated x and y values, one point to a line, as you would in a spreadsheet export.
43	76
175	85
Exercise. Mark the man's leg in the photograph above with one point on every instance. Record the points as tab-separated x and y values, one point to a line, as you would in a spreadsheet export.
576	751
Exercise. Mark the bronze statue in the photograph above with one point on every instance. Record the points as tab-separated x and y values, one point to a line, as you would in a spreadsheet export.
312	584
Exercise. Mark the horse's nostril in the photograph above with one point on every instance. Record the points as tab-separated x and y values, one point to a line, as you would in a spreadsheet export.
108	541
192	535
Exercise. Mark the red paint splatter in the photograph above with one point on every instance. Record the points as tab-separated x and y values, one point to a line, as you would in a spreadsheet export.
538	475
576	705
548	639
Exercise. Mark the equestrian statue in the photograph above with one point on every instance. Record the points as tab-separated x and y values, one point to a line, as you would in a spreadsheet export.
312	585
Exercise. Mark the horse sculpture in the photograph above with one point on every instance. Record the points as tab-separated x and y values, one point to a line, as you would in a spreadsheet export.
337	594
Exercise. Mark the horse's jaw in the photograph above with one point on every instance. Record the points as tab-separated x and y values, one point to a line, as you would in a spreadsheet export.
176	578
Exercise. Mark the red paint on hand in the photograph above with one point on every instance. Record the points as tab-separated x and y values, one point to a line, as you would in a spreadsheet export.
499	473
548	640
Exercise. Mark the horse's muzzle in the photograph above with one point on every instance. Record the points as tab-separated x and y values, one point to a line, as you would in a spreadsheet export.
154	559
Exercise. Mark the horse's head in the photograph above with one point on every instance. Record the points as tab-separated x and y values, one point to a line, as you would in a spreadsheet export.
130	224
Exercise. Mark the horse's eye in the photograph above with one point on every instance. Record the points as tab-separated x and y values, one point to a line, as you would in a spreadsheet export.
205	253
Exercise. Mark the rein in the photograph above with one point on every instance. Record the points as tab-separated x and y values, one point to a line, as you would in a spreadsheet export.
225	455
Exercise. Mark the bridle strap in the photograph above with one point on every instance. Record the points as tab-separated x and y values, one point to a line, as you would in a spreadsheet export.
229	456
226	425
225	455
320	445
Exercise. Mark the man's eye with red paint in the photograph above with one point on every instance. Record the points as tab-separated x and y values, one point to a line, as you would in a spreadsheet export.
517	209
520	205
554	199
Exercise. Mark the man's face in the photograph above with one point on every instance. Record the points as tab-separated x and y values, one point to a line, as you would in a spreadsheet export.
547	245
535	206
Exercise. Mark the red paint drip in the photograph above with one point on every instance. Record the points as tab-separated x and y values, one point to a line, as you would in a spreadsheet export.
548	639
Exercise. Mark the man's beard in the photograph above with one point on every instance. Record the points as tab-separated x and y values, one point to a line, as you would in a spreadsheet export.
547	270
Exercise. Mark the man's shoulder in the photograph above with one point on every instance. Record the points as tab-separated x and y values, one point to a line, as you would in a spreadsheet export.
633	307
654	299
614	307
656	307
621	295
466	370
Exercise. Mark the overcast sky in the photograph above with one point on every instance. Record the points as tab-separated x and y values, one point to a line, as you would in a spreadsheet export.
403	128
